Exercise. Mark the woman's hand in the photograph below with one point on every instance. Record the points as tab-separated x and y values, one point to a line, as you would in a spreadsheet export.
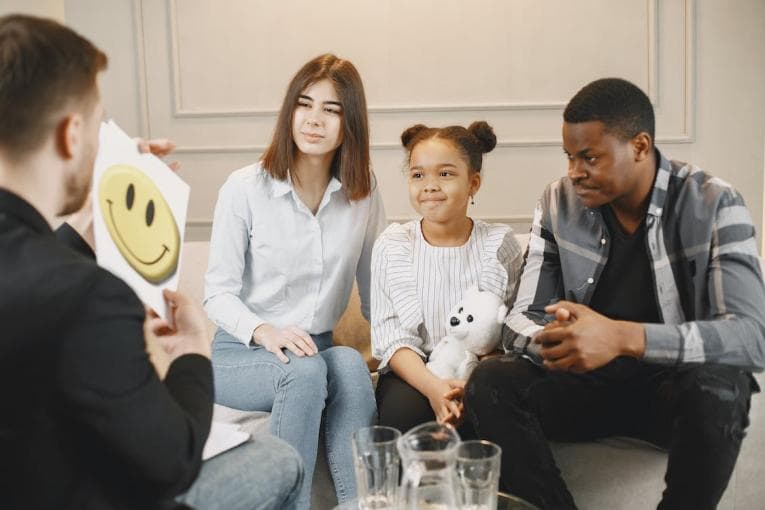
445	397
292	338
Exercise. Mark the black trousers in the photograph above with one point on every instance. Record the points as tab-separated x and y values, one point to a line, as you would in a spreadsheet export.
699	413
402	407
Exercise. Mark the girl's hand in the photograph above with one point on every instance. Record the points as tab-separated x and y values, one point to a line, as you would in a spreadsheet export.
455	394
494	354
292	338
445	399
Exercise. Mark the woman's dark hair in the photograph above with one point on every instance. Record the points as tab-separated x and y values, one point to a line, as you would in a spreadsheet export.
351	162
471	143
621	106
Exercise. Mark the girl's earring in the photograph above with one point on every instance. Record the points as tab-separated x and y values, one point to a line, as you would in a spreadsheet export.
472	200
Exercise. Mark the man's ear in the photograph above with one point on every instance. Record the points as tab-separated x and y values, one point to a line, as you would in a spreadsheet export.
69	135
642	145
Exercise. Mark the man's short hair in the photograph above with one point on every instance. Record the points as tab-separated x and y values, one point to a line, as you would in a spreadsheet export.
43	66
621	106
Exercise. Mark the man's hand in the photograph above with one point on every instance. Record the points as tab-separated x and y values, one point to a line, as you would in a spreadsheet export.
292	338
561	317
580	339
160	147
188	332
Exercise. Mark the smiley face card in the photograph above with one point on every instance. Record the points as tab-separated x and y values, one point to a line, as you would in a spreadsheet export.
139	209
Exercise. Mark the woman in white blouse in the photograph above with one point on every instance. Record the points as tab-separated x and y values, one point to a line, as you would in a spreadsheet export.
421	269
290	234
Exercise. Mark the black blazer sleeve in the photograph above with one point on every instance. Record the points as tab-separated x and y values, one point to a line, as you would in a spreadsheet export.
111	391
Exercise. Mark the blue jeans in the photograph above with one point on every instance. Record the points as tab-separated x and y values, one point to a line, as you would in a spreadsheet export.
334	383
264	474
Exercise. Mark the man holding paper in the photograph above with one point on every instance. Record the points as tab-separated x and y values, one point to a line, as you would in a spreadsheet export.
86	421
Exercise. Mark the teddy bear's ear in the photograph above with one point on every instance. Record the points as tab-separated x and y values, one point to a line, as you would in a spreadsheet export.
501	313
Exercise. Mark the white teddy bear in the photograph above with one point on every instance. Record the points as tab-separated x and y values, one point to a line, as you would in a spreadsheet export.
474	329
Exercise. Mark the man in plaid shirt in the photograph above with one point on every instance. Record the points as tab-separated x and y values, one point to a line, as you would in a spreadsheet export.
640	312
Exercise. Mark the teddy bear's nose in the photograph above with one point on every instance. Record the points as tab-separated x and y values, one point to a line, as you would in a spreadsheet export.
454	321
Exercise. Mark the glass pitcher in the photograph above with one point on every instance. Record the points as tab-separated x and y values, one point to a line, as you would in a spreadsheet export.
428	454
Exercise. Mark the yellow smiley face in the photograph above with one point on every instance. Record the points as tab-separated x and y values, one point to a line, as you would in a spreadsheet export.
139	222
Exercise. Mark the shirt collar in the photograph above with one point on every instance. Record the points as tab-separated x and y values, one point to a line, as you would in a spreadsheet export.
280	188
13	205
660	183
334	185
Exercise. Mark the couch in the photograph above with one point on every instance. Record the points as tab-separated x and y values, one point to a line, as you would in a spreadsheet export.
616	473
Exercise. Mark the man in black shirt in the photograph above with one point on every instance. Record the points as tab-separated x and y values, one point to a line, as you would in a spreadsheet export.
86	422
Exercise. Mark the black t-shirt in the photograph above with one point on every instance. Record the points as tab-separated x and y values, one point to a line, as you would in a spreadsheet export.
625	290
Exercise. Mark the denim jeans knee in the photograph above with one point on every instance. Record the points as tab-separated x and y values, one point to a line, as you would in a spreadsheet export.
236	479
350	406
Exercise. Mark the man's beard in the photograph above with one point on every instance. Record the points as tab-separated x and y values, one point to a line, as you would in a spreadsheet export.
77	186
76	190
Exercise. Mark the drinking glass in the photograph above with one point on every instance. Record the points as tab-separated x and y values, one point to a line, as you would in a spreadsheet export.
477	473
376	463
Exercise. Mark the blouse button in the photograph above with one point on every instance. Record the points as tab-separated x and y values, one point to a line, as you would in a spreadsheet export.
590	280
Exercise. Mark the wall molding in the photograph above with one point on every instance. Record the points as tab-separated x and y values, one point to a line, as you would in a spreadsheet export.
236	149
686	136
140	56
689	75
180	112
501	144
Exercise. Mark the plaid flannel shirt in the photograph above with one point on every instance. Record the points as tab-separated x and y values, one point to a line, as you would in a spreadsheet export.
704	260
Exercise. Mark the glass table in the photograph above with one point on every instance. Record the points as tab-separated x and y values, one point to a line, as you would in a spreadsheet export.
504	502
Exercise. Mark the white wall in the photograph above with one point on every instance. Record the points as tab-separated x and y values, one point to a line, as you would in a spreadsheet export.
48	8
210	74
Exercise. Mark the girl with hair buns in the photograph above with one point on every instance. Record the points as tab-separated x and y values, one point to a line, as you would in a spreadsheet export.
421	269
290	235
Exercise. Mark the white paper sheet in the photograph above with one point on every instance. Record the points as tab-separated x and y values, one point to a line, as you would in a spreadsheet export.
223	436
139	207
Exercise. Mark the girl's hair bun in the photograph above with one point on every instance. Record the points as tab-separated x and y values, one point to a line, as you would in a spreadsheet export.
485	135
410	133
